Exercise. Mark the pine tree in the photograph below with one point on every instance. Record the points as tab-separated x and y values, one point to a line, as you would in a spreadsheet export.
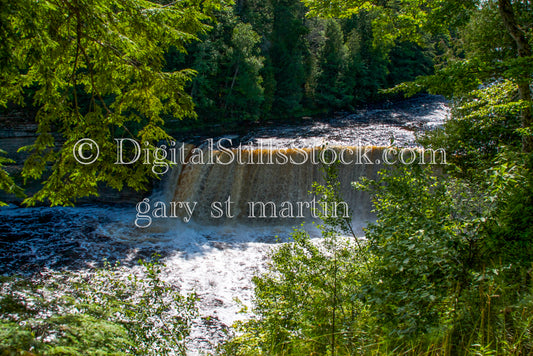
94	69
331	91
287	52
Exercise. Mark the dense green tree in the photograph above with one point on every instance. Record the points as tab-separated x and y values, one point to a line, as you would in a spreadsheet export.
228	85
94	69
245	92
407	61
287	52
394	20
366	67
331	91
260	14
101	312
496	48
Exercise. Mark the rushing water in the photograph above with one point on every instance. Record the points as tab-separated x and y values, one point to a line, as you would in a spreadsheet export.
216	257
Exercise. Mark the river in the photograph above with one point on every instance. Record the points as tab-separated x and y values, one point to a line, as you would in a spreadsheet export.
238	212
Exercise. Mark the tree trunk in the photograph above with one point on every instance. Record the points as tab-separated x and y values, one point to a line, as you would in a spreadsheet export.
524	50
231	88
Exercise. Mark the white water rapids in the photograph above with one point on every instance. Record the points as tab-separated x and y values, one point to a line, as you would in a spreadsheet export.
214	258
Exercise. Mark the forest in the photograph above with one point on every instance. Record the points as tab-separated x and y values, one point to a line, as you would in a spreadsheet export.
446	268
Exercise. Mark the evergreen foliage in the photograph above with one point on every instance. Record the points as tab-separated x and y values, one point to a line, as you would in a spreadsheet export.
94	69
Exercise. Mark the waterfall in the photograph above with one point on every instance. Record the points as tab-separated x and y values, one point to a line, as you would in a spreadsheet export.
266	187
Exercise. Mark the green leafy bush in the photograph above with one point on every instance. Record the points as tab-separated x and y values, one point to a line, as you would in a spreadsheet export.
306	300
105	312
443	271
481	124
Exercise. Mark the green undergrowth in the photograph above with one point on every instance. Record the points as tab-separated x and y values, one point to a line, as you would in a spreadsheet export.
445	270
108	311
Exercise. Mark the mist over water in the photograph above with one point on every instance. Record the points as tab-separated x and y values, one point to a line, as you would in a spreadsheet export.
216	257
